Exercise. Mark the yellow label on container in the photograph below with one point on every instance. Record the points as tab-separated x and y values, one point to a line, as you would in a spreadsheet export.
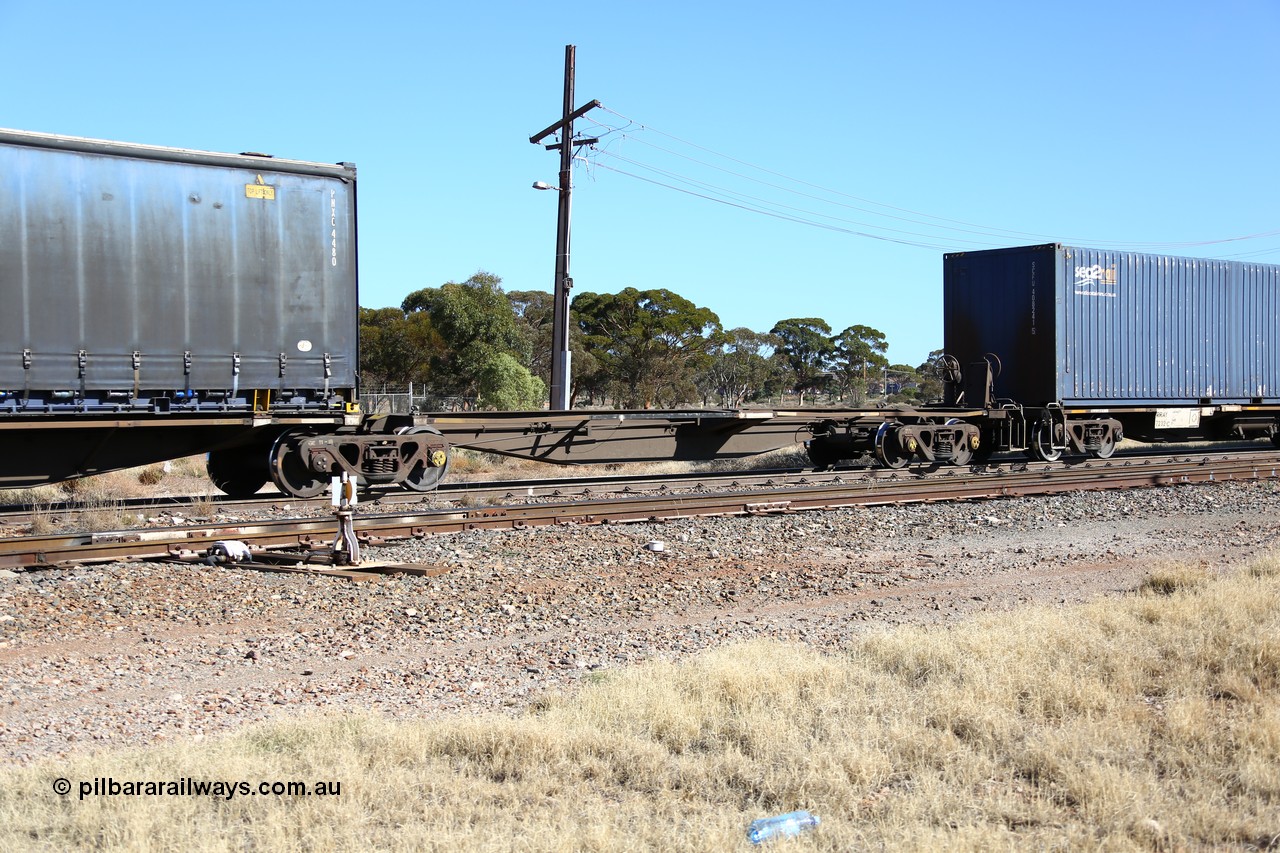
260	191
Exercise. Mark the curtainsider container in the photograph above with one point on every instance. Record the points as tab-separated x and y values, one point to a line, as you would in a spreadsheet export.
1095	327
161	279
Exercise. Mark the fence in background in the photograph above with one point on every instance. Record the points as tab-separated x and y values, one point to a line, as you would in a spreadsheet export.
398	400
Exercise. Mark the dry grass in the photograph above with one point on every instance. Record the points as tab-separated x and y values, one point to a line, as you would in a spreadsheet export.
39	501
97	503
34	496
151	475
189	466
203	506
1146	723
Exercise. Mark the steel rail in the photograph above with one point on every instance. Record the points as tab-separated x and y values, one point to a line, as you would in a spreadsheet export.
599	485
896	488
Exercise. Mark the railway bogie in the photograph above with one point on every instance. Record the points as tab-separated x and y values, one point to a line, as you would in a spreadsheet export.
416	459
302	461
895	439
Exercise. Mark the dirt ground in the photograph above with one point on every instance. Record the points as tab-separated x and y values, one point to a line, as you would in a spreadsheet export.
104	656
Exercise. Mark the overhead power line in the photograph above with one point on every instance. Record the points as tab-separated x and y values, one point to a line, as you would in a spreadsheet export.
942	230
758	204
774	214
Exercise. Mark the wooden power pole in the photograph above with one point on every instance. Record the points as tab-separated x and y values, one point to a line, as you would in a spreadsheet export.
560	353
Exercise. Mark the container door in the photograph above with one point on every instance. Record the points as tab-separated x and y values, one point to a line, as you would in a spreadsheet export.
1260	312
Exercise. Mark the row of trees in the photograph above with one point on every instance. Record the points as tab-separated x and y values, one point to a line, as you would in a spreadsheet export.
632	349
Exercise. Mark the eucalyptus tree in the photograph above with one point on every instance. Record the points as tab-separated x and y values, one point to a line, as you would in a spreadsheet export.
648	344
505	383
739	368
477	325
929	378
806	348
534	310
859	355
395	349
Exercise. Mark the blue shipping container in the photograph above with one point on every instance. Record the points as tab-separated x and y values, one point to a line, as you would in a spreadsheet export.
1091	326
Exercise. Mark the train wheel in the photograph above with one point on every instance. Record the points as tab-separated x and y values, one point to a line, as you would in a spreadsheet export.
987	446
961	453
239	473
1042	443
290	472
424	477
1107	446
888	451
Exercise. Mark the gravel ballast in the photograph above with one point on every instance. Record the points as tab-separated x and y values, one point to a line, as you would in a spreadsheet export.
108	656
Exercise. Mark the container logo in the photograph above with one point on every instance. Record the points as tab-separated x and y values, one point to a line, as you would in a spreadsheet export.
1096	280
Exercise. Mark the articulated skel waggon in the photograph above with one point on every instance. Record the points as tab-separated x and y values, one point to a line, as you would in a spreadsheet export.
163	302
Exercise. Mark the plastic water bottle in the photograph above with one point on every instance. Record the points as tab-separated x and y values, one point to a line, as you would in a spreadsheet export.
786	825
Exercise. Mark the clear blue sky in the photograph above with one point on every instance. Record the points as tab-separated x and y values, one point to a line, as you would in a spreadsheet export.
953	125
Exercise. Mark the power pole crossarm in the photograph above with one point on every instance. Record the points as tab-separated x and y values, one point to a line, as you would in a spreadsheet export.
576	114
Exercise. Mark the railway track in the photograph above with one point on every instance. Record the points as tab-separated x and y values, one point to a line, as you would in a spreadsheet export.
672	498
472	493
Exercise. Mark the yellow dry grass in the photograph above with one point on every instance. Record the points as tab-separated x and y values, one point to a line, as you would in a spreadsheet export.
97	503
1147	722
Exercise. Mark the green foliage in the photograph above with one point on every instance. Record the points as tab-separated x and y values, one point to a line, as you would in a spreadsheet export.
507	384
738	370
859	355
631	349
535	313
928	378
396	349
805	348
476	323
903	383
535	316
648	345
464	339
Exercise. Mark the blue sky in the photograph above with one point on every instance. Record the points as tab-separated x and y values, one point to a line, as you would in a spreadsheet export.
906	129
